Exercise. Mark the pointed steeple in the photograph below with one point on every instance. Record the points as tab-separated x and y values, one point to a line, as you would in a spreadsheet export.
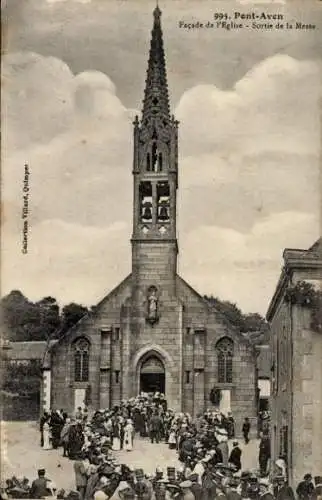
156	98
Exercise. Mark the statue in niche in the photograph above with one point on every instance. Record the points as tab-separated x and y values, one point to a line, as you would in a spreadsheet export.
152	316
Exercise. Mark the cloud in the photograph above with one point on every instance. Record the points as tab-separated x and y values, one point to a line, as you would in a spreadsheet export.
63	259
244	268
248	178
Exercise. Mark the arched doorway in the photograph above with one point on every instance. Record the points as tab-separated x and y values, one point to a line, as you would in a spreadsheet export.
152	375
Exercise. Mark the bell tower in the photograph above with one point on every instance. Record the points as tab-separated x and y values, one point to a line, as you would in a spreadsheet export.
155	171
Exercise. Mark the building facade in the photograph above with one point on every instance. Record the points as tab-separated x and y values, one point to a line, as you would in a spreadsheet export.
153	332
296	348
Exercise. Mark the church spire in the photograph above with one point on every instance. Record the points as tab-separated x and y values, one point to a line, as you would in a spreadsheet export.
156	97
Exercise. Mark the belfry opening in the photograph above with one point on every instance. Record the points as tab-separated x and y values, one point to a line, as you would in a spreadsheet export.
152	375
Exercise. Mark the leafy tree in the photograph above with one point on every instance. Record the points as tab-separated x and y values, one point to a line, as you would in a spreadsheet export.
246	323
26	321
71	314
20	316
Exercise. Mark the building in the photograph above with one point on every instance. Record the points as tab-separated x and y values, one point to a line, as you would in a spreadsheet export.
297	364
153	332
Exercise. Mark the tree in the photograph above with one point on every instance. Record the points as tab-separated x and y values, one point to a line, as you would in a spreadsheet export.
50	320
20	316
71	314
246	323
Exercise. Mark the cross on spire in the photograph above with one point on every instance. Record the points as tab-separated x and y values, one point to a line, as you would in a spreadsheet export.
156	97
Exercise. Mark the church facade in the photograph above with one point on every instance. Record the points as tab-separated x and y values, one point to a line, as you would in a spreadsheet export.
153	332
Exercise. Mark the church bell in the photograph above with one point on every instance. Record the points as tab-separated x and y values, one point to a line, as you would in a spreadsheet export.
147	212
164	215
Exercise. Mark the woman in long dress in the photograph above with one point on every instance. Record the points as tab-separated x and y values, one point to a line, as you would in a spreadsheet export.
47	437
128	436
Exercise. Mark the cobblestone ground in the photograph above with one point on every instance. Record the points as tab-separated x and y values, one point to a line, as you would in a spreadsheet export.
22	455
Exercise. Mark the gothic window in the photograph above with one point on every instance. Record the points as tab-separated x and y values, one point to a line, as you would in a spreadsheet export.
225	353
81	360
154	157
145	195
163	201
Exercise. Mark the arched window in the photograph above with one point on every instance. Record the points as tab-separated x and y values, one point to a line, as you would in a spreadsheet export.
225	353
154	166
81	360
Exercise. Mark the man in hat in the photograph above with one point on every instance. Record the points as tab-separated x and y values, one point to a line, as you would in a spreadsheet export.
155	427
235	456
185	487
305	489
39	486
244	483
282	490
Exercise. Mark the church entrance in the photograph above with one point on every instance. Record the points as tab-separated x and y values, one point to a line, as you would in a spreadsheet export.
152	375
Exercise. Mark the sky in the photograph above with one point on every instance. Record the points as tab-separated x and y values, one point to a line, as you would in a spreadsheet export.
248	102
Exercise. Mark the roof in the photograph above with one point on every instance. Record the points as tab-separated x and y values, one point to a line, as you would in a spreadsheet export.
27	350
295	259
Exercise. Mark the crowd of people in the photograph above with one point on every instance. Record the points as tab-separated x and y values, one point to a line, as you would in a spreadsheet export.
209	468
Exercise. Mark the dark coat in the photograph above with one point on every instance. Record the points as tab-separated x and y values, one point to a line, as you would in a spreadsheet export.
39	488
235	457
285	493
305	490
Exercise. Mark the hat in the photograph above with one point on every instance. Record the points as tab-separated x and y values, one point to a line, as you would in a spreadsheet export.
103	480
307	477
206	458
264	481
139	474
158	470
185	484
245	475
193	477
318	480
279	477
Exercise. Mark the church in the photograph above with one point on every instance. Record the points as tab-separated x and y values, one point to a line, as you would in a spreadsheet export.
153	332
